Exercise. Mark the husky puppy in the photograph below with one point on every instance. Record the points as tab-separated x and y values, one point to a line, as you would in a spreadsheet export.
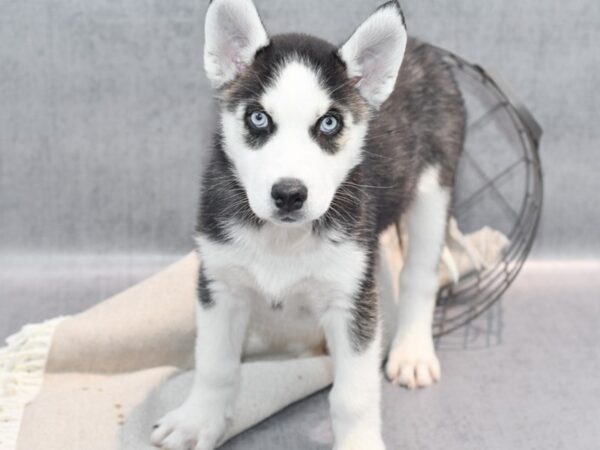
319	149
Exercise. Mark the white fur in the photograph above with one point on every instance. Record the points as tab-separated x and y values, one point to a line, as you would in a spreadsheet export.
295	102
412	361
374	54
301	270
355	397
278	264
233	34
201	421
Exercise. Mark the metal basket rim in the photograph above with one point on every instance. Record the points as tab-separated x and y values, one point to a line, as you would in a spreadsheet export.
528	128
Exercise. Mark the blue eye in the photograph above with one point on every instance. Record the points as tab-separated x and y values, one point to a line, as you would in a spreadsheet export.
259	120
329	124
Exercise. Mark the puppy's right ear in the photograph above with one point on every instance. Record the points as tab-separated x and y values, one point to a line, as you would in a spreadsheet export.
233	35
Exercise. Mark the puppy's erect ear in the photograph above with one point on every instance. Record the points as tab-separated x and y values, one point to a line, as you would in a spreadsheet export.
233	35
374	53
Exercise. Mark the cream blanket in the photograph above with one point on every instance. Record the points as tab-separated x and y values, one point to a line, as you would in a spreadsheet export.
100	379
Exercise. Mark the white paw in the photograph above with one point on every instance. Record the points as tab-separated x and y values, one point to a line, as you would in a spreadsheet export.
189	428
412	361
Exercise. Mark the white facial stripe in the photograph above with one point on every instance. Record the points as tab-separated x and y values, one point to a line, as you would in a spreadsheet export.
295	101
296	97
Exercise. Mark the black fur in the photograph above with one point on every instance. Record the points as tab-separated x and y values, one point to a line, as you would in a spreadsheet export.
204	294
223	198
366	307
421	124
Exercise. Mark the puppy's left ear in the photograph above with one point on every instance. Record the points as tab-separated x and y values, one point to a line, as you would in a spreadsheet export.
233	35
374	53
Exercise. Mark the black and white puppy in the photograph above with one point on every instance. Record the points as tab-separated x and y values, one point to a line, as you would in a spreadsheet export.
319	150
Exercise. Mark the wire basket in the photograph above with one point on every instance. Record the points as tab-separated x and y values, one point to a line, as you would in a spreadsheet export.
499	184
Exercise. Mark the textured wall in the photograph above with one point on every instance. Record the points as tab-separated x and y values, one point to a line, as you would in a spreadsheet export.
104	110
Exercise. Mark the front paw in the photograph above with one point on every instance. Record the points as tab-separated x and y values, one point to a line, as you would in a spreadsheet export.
189	428
412	361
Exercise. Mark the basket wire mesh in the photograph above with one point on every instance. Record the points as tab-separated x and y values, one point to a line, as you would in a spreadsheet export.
499	184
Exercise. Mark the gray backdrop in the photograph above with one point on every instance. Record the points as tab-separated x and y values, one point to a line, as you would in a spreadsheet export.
105	111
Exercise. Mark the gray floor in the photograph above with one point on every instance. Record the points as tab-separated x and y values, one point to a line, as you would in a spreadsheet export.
523	376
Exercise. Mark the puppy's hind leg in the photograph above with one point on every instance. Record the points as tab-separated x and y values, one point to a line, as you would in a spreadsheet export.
412	361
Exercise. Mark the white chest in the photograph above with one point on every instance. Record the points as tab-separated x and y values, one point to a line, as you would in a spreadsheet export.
281	265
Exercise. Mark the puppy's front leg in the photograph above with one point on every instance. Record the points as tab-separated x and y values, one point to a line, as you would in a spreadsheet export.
222	319
354	344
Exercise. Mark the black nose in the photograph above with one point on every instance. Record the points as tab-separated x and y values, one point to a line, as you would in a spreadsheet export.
289	194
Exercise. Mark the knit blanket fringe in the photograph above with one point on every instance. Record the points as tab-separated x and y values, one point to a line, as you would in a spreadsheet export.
22	367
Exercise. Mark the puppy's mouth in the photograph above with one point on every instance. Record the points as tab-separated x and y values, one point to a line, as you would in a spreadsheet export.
288	218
